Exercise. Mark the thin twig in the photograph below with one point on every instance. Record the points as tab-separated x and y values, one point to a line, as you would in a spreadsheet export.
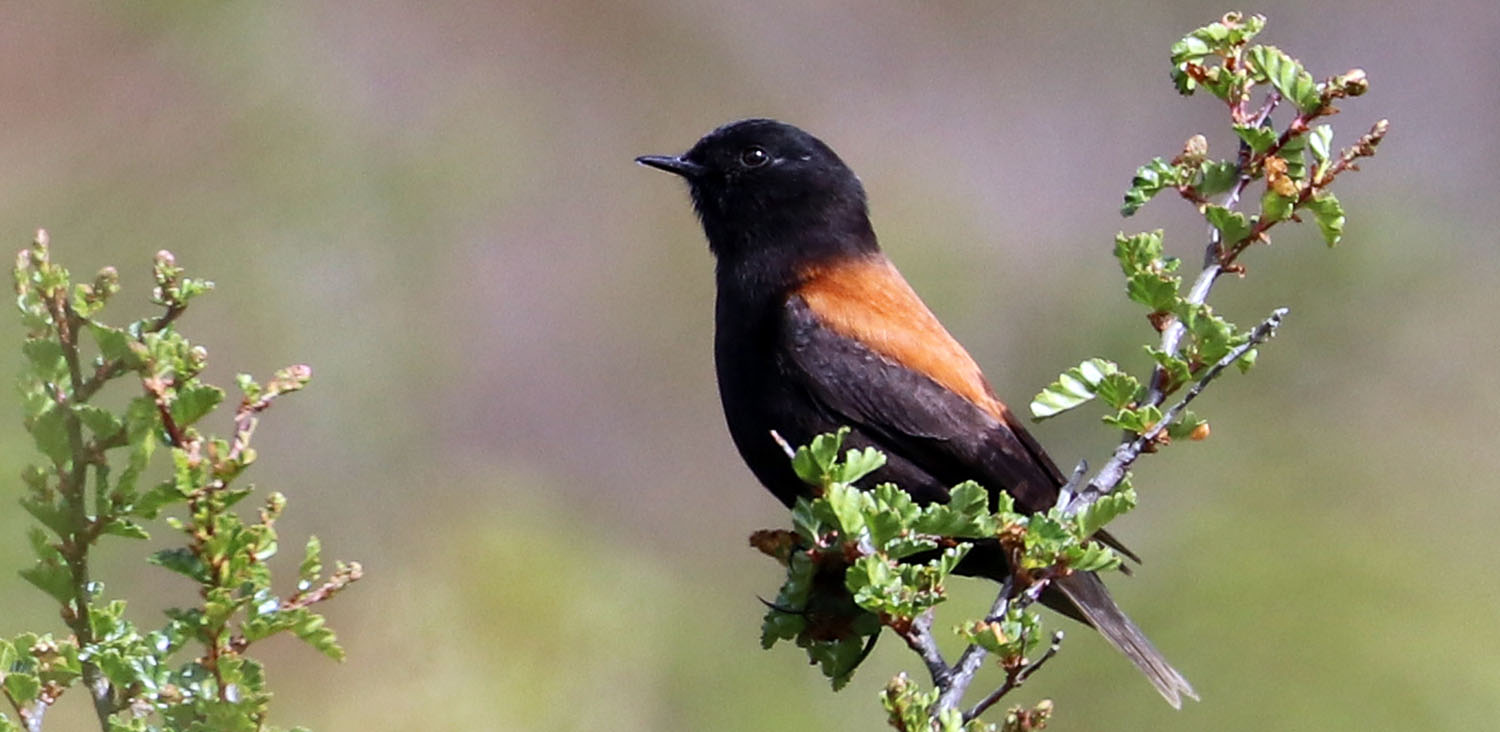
1065	493
952	693
343	577
973	656
108	370
33	717
1113	472
1213	253
30	714
158	391
1014	678
918	637
785	446
74	487
1215	260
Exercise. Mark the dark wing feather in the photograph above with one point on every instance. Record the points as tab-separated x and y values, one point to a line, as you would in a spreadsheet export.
909	413
868	350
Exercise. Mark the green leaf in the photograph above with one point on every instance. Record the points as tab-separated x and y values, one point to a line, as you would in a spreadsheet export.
837	660
50	432
141	421
1293	152
1150	179
48	511
1247	361
793	595
161	495
1094	557
1330	215
806	521
126	528
1213	337
101	422
1046	538
1109	507
1083	382
23	688
1260	139
966	514
1140	252
969	498
1157	292
1218	177
248	386
194	400
1220	38
183	562
1135	420
312	563
1320	141
1276	207
1232	225
46	357
905	546
1118	389
52	578
1185	425
1223	35
866	576
1270	64
191	287
188	473
893	510
311	629
825	448
1177	368
859	463
114	345
813	463
847	504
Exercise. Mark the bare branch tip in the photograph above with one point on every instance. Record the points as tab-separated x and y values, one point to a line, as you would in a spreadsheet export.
785	446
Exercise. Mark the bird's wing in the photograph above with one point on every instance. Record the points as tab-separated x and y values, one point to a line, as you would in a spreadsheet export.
869	352
865	348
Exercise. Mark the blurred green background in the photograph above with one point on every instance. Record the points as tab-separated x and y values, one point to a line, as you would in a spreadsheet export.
514	423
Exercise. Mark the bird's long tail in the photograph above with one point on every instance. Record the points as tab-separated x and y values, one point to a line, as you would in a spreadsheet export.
1088	594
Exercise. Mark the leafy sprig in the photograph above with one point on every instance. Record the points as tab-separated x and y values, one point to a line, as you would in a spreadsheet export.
1296	163
192	673
860	561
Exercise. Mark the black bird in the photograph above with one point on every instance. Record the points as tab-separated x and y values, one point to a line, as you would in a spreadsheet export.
815	329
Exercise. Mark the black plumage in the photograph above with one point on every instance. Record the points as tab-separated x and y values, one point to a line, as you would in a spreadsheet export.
815	329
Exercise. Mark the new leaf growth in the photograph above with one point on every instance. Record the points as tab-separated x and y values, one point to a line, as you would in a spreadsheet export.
192	672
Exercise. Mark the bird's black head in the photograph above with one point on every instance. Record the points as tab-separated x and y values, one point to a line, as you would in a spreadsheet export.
763	187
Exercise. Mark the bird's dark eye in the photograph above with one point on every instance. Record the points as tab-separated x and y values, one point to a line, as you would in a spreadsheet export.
754	157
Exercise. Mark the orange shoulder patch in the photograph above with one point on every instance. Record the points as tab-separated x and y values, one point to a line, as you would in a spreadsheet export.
866	299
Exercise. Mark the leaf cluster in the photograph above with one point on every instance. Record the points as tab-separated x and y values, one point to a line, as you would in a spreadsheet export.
192	672
911	709
1296	163
858	560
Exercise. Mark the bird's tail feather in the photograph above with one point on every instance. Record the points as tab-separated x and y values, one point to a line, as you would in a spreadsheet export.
1088	594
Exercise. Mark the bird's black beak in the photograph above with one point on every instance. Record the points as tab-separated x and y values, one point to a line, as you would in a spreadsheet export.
673	164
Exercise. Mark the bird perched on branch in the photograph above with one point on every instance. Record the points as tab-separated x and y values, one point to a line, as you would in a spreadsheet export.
815	329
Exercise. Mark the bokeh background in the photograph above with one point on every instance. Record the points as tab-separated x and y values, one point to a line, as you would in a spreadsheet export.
514	423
